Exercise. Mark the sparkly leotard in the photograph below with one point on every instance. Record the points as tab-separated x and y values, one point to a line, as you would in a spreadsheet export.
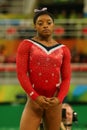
42	70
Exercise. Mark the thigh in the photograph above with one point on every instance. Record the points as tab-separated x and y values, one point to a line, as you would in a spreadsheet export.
31	116
52	118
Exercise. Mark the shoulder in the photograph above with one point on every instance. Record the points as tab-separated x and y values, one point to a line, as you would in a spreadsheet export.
26	42
24	45
65	48
66	51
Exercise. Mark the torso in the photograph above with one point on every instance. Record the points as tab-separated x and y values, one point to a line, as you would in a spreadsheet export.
45	63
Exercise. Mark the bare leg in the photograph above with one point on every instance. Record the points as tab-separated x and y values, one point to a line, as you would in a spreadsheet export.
52	118
31	116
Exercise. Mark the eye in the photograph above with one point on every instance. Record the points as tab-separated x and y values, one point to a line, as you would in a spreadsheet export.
40	23
49	22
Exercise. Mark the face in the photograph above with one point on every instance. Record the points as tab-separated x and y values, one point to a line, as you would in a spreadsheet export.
69	115
44	25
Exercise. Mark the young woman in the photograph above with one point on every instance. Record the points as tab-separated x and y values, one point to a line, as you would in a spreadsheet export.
43	69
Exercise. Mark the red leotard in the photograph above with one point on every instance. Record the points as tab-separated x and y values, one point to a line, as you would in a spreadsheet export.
42	70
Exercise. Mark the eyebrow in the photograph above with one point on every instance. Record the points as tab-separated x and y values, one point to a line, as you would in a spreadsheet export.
42	20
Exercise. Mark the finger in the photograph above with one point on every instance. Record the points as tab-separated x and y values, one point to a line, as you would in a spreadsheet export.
47	99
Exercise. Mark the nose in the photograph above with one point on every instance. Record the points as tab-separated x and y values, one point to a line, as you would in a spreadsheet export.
45	25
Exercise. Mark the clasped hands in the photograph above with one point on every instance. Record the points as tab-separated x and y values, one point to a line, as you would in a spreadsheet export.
46	103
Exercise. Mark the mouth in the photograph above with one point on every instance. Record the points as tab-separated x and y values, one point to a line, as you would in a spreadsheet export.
46	31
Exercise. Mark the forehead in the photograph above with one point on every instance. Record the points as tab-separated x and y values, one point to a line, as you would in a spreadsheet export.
44	17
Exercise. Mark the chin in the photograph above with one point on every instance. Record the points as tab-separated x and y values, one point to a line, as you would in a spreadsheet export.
46	35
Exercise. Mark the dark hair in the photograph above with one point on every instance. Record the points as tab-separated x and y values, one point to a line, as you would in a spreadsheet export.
39	13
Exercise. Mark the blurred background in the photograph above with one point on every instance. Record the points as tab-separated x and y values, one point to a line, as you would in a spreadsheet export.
71	29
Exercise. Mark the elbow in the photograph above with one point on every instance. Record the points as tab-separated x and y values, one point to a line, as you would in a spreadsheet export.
20	75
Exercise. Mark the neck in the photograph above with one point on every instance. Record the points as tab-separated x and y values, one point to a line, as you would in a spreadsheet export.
44	38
